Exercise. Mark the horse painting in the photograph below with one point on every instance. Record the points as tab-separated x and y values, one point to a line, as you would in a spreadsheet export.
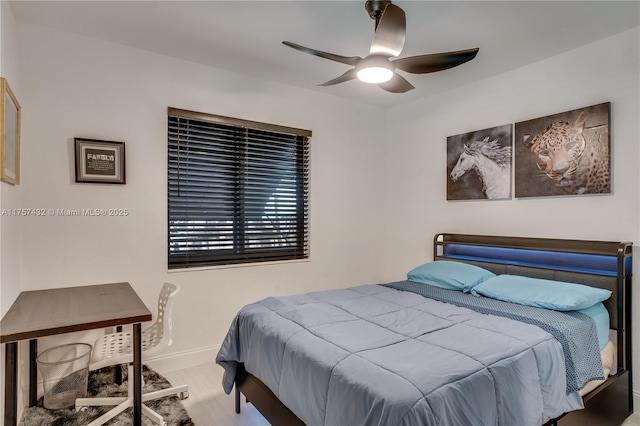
492	162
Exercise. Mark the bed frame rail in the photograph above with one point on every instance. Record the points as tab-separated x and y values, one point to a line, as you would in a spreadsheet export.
263	399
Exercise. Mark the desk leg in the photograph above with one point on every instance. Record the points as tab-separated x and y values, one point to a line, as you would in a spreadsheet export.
33	373
11	384
119	366
137	374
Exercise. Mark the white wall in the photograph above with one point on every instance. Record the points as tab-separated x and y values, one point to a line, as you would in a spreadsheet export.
80	87
607	70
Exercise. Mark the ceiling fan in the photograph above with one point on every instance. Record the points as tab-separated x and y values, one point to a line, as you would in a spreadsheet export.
388	41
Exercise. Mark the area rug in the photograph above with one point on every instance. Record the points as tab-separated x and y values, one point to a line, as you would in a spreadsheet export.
102	384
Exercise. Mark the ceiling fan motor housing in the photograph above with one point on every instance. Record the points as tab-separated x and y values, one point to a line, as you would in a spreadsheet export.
375	8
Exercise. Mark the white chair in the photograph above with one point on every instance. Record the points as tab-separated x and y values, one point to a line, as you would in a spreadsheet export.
117	348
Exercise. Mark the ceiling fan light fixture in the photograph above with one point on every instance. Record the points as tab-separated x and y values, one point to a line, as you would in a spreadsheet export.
374	69
375	75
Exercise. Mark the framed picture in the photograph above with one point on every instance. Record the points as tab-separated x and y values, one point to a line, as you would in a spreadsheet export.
99	161
10	135
564	154
479	164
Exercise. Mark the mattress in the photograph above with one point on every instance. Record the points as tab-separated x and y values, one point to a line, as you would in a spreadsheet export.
608	356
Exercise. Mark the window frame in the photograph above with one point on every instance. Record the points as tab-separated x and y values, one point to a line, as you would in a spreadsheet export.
242	251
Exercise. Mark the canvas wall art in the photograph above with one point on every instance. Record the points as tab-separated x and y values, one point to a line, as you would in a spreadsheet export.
564	154
479	164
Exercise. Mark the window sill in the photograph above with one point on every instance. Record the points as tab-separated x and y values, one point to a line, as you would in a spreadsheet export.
237	265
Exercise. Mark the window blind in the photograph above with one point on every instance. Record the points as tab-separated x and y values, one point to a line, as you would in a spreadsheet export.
238	191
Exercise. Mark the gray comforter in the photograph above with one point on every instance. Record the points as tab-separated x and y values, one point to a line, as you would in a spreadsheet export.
373	355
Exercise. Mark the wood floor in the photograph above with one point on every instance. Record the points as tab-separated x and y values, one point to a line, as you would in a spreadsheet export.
208	405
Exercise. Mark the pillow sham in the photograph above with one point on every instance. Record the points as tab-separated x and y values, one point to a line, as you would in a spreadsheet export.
539	293
449	274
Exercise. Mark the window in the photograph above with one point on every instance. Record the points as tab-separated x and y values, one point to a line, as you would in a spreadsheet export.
237	191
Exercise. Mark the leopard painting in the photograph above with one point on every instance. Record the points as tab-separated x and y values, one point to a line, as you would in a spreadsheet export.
576	158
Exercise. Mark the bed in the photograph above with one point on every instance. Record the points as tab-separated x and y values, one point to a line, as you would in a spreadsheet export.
346	357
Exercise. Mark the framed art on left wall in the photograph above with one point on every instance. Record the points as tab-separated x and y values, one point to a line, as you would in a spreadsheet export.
99	161
9	135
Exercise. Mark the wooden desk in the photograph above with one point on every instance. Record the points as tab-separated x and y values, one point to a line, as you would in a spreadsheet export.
42	313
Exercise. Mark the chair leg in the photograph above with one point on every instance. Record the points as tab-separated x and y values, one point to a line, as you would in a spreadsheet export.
155	417
112	413
164	392
99	402
237	399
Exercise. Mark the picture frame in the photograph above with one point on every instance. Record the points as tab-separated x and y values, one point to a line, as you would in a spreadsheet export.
10	117
99	161
479	164
564	154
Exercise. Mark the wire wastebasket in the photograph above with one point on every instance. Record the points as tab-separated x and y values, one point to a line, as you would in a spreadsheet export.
65	371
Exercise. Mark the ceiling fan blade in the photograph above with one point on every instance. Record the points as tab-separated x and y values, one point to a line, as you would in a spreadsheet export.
349	75
349	60
424	64
397	84
389	37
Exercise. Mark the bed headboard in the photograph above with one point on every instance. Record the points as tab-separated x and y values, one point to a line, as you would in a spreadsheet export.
601	264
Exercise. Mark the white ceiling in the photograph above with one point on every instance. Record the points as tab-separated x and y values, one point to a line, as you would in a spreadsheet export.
246	36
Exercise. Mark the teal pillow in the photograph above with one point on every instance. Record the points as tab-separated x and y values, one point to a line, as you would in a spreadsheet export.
449	274
547	294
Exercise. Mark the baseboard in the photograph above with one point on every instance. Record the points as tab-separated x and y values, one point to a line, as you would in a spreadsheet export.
185	359
636	401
